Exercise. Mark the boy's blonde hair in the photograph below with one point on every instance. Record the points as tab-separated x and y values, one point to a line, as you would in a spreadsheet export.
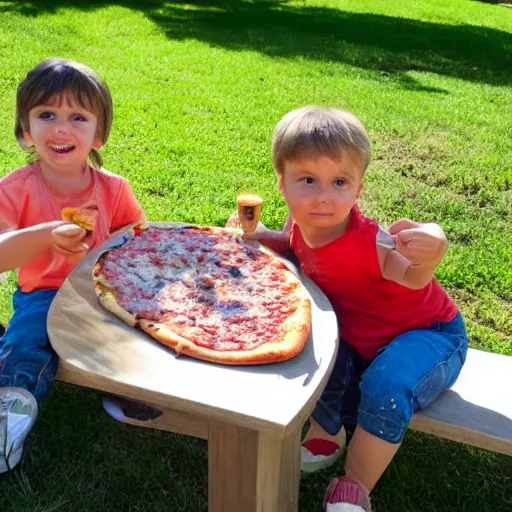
316	131
58	79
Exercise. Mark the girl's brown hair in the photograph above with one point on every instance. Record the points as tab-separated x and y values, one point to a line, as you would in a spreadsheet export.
54	80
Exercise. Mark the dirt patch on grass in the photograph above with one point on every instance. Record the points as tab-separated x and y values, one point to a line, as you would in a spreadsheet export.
421	160
495	313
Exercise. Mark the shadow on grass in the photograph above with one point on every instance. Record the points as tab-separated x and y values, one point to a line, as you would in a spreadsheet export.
372	42
494	1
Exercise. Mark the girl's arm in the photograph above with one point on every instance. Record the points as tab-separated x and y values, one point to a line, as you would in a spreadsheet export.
23	245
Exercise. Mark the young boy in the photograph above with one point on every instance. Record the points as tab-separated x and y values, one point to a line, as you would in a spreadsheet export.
402	339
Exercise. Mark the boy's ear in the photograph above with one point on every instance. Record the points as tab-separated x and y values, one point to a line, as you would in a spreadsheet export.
97	144
359	190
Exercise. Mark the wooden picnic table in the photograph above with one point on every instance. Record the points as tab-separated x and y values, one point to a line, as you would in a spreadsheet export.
252	416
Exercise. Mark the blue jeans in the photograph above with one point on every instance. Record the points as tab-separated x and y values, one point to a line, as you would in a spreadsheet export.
27	360
408	374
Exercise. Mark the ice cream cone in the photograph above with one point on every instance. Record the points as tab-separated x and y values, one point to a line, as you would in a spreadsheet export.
249	212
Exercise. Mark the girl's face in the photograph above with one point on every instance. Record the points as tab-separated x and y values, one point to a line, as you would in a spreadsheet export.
63	134
320	193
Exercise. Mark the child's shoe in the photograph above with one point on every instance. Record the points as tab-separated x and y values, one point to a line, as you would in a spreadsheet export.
317	454
122	409
346	495
18	413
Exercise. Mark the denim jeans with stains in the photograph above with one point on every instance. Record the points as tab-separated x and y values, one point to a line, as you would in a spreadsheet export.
27	360
408	374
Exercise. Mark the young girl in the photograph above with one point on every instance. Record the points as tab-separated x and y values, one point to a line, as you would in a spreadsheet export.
63	116
402	339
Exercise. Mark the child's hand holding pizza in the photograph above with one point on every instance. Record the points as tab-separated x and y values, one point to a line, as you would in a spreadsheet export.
69	240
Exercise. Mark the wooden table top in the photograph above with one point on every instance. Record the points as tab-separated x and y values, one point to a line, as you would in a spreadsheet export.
108	355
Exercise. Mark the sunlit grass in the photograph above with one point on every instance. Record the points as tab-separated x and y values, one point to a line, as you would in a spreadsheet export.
198	87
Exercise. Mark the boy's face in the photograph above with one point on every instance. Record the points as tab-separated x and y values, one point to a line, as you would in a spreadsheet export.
63	134
320	192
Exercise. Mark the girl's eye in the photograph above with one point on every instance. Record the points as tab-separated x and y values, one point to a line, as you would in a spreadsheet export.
78	118
339	183
46	115
309	181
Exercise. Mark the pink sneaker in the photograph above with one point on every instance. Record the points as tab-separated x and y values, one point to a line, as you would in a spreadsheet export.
346	495
317	454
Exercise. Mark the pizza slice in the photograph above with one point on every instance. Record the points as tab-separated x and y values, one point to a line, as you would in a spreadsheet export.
82	217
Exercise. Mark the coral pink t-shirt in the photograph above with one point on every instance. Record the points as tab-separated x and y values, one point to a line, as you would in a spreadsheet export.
371	310
26	200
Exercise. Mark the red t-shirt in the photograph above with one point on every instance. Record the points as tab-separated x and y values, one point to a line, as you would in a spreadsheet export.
26	200
371	310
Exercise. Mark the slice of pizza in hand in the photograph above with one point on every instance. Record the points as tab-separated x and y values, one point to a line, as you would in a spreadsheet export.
82	217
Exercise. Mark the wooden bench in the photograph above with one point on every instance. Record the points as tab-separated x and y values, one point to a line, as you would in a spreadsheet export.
477	410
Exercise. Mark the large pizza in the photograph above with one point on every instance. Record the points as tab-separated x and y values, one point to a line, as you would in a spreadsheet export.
205	293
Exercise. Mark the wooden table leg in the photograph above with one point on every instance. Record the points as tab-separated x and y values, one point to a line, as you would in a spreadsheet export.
249	471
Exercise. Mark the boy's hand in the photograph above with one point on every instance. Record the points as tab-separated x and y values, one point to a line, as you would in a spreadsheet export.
423	244
69	240
263	235
278	241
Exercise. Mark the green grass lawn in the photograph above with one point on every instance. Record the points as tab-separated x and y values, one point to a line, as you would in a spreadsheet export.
198	86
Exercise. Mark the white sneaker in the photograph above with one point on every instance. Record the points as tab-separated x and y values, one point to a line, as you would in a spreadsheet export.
18	413
342	507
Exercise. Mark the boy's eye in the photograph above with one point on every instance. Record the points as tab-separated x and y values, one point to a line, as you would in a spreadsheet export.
46	115
308	180
339	183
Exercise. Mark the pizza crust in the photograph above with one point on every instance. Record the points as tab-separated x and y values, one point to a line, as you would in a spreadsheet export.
271	352
108	299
